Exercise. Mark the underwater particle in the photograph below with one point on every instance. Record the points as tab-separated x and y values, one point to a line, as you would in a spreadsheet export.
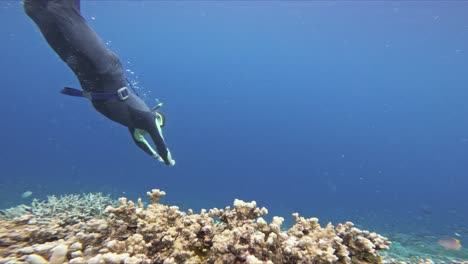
26	194
449	243
456	234
93	18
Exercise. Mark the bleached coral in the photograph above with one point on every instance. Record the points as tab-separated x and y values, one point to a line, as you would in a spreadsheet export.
69	209
164	234
17	211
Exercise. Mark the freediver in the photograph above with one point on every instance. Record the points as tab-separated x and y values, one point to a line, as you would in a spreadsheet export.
99	72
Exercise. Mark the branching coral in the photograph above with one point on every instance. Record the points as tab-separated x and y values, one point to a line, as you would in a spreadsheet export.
17	211
164	234
69	209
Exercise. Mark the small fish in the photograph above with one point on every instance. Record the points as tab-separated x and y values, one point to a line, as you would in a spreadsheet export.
449	243
456	234
426	210
26	194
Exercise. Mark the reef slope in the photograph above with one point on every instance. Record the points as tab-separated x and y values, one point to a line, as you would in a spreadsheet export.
132	233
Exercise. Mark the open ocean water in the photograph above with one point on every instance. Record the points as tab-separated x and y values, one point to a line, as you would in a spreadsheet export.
342	110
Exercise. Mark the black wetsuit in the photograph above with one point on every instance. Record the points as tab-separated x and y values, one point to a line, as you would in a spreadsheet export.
97	68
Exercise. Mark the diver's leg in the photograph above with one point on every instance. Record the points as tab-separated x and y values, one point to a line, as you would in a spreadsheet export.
141	142
155	132
68	33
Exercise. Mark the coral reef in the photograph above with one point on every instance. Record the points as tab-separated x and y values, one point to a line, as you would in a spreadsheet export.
69	209
159	233
414	248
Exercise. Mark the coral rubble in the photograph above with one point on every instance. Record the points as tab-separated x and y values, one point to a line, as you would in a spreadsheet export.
131	233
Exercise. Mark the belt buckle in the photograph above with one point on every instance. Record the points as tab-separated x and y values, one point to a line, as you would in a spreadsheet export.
123	93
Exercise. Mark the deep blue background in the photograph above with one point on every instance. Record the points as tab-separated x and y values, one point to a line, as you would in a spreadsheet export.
341	110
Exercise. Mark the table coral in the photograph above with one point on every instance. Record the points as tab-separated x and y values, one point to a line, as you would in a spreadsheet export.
163	234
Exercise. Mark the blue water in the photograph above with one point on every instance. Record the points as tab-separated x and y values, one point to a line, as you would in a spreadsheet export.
339	110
